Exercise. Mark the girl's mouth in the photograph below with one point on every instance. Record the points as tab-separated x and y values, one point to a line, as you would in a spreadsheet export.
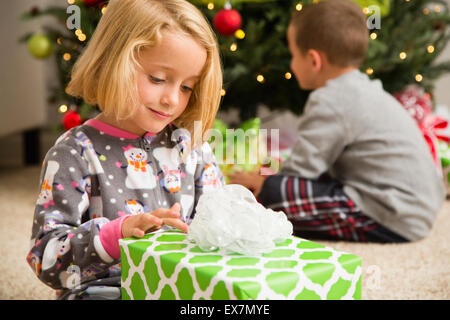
159	114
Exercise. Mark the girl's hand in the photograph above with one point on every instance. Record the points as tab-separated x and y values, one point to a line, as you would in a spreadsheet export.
138	225
250	180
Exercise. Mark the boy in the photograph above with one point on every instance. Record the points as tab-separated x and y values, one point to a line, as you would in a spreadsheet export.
360	170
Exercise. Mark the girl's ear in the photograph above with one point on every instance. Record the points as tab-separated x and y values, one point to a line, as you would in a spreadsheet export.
316	59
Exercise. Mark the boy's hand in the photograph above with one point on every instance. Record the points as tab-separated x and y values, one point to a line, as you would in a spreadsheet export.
138	225
251	180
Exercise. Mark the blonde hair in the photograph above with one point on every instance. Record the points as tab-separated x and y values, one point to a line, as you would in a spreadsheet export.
335	27
105	73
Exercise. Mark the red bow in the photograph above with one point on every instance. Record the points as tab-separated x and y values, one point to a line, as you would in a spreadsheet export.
431	127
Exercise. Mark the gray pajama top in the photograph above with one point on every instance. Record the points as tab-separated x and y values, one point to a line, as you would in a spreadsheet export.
96	173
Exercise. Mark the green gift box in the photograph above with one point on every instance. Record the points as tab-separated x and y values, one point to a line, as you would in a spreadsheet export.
165	265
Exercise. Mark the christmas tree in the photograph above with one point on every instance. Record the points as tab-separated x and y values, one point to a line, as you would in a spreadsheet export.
404	44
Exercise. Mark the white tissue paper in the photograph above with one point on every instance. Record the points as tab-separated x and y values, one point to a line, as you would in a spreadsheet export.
230	218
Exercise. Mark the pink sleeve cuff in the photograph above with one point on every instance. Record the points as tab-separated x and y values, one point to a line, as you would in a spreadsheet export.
110	234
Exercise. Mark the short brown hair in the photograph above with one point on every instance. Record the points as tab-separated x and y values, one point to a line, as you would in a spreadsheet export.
335	27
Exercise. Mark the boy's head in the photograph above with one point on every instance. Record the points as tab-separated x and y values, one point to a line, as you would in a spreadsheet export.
325	40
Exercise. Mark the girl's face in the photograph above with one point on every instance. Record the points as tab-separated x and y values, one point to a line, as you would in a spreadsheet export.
170	72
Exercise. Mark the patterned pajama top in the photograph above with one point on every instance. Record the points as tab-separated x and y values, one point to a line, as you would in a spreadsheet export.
96	174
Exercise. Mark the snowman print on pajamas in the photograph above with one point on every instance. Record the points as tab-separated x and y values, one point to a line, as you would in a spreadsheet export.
54	252
46	194
139	172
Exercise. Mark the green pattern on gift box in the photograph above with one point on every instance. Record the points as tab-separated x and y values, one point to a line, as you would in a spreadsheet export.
164	265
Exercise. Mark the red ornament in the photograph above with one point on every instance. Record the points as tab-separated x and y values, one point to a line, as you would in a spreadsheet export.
71	119
227	21
91	3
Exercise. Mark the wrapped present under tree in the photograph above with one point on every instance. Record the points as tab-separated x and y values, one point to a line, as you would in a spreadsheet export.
165	265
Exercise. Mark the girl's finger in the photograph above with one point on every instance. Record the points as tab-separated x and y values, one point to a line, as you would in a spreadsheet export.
154	228
176	207
176	223
166	213
138	233
148	220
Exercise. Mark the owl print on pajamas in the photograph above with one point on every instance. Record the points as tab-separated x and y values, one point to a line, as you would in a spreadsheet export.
188	155
83	187
34	260
134	207
210	177
169	161
89	154
171	181
52	221
89	187
91	271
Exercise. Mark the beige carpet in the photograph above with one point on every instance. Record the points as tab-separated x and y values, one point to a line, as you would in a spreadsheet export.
418	270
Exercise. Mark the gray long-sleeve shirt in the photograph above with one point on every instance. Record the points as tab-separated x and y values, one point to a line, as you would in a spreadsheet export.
359	134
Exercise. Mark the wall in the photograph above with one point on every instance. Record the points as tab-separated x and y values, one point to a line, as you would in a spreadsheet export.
442	90
22	77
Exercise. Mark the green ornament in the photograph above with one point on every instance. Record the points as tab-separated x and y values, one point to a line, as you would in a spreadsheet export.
254	123
384	5
40	46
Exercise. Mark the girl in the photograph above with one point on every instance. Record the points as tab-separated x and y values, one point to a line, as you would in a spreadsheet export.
152	67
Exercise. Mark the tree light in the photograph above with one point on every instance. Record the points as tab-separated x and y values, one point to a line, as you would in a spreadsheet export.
240	34
260	78
63	108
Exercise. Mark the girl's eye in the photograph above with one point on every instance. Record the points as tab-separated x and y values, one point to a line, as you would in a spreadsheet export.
156	80
186	89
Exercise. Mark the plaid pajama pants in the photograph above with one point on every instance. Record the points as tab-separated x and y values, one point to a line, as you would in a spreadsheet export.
319	209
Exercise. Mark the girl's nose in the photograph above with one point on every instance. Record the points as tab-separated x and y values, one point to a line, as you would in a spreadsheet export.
170	96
